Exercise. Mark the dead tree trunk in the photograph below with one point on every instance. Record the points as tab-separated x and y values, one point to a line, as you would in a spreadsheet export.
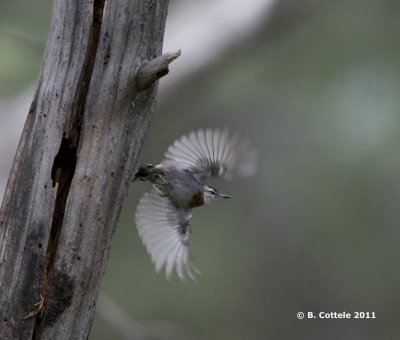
74	163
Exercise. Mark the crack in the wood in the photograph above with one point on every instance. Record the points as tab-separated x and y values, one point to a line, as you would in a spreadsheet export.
55	292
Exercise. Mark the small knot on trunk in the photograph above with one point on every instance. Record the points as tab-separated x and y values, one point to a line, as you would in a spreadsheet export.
154	69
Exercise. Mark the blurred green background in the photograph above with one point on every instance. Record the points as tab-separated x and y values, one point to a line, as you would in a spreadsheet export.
317	229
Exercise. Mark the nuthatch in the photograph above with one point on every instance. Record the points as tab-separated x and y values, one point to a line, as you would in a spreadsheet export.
163	215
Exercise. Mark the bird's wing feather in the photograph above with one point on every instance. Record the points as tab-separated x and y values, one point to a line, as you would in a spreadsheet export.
165	230
212	153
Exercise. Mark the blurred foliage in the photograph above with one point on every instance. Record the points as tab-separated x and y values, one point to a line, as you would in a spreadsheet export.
318	228
23	31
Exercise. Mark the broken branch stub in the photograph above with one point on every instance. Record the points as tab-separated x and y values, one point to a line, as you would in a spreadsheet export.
155	69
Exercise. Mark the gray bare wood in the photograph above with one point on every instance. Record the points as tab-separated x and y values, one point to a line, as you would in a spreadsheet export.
154	69
74	164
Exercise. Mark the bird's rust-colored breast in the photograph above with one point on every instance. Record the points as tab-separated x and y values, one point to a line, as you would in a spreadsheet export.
197	200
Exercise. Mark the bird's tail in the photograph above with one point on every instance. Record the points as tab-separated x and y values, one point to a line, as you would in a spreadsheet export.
144	173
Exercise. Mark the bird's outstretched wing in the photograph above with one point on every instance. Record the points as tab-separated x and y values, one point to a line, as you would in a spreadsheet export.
212	153
165	230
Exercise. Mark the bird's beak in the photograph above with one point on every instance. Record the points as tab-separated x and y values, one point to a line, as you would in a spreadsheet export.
224	196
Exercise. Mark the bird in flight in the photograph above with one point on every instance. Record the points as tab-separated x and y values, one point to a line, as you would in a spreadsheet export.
179	185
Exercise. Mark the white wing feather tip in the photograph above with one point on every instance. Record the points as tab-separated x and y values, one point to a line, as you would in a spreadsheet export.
159	223
213	153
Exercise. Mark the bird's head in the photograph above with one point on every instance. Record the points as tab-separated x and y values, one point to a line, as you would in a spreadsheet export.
212	194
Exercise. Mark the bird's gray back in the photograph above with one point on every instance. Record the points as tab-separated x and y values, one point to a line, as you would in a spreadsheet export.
182	186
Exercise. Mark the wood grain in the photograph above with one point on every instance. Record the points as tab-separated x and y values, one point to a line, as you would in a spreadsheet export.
74	164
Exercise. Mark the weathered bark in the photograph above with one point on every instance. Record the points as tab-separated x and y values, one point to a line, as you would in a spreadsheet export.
74	164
